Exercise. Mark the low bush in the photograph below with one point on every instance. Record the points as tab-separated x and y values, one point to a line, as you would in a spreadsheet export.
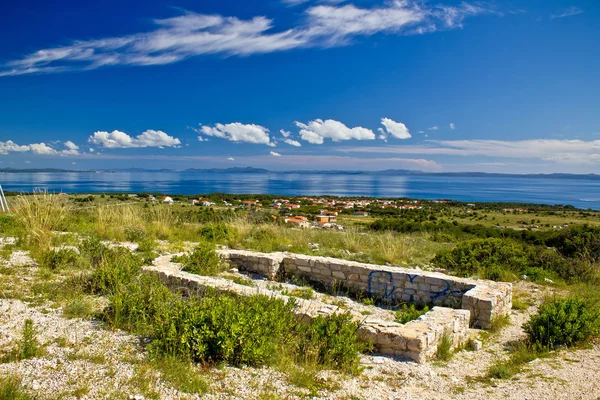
204	260
215	329
506	259
93	250
78	308
134	234
332	341
136	304
407	313
217	232
58	259
116	267
562	322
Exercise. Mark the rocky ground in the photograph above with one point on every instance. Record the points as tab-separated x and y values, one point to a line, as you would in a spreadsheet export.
82	359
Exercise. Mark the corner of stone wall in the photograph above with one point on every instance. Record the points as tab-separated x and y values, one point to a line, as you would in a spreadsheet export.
486	301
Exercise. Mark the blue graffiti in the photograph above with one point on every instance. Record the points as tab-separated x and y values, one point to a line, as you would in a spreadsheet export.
386	293
445	292
390	289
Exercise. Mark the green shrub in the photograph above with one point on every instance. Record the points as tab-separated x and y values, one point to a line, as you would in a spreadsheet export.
332	341
135	305
57	259
505	259
115	267
204	260
93	249
474	257
215	329
217	232
407	313
562	322
78	308
134	234
29	346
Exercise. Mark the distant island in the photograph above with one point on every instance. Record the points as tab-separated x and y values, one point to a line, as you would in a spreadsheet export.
252	170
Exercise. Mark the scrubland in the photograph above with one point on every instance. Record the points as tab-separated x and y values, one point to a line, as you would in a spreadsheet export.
75	304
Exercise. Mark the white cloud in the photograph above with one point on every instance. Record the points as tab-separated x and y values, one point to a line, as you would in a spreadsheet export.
396	129
9	146
292	142
569	12
238	132
316	131
274	154
434	128
71	146
42	148
91	150
190	34
120	140
230	159
285	133
452	126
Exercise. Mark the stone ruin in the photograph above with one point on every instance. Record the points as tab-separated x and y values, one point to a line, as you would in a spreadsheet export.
459	303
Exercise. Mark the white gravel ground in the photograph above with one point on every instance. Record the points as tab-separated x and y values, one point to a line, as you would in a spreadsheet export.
100	363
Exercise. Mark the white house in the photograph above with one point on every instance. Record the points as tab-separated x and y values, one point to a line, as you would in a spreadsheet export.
167	200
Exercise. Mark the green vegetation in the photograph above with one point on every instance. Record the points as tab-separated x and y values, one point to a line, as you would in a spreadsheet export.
444	348
558	246
28	346
12	389
410	312
204	260
563	322
520	355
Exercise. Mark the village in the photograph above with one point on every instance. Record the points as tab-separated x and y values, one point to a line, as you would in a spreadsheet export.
305	212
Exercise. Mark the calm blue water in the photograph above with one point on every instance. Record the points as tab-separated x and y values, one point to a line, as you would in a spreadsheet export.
583	193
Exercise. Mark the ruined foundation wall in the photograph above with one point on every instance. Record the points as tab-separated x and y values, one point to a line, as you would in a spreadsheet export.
417	340
484	300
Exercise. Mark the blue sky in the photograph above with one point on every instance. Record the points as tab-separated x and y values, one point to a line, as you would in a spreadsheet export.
315	84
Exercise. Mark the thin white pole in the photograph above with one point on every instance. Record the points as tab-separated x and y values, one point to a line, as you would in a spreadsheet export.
4	199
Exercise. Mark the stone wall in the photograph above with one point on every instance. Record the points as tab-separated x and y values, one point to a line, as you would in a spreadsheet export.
417	340
484	300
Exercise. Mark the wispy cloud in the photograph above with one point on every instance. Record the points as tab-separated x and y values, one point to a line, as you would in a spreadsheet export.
192	34
42	148
569	12
574	152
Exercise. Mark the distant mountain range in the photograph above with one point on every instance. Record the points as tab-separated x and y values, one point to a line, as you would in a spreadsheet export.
251	170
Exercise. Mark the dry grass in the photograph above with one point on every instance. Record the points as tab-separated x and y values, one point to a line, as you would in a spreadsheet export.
40	214
376	247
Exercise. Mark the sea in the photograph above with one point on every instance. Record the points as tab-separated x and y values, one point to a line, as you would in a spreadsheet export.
579	192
